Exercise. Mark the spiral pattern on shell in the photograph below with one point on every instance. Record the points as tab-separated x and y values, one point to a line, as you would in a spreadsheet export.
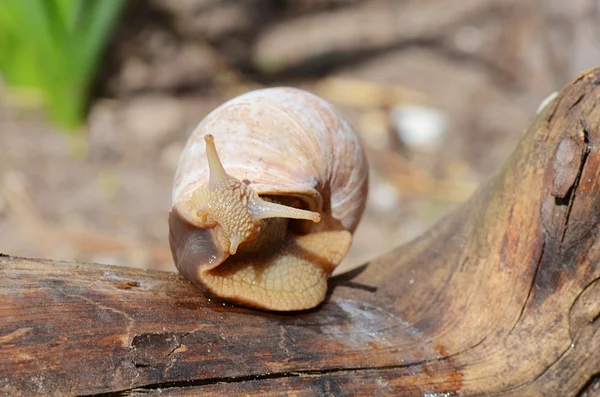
283	141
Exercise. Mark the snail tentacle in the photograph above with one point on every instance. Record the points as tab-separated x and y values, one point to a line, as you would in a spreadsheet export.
234	209
218	175
261	209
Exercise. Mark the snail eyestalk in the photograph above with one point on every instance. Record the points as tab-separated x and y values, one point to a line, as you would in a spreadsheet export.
261	209
234	209
218	175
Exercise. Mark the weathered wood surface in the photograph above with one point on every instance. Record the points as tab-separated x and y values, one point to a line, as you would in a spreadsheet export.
500	298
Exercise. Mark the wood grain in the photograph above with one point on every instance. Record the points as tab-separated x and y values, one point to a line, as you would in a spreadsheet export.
502	297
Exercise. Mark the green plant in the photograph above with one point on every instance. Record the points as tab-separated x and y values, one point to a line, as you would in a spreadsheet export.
53	46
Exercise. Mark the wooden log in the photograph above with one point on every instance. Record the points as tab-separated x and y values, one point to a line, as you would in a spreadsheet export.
502	297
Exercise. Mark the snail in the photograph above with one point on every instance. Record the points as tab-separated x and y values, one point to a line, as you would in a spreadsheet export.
267	193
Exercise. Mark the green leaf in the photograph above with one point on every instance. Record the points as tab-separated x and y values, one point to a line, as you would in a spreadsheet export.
55	45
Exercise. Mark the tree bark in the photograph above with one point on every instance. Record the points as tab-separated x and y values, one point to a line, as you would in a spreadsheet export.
502	297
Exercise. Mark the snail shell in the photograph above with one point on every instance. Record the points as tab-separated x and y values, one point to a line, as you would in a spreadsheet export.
267	193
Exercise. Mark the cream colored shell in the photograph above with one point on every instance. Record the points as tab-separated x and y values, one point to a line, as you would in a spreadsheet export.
284	141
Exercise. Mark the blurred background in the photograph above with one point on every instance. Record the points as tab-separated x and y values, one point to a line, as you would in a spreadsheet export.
97	99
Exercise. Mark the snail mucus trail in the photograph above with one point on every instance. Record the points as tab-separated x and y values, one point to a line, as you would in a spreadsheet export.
263	263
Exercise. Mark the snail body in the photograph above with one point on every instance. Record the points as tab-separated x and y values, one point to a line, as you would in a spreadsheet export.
268	191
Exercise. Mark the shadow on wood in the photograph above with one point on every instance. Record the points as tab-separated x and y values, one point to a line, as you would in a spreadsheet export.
502	297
